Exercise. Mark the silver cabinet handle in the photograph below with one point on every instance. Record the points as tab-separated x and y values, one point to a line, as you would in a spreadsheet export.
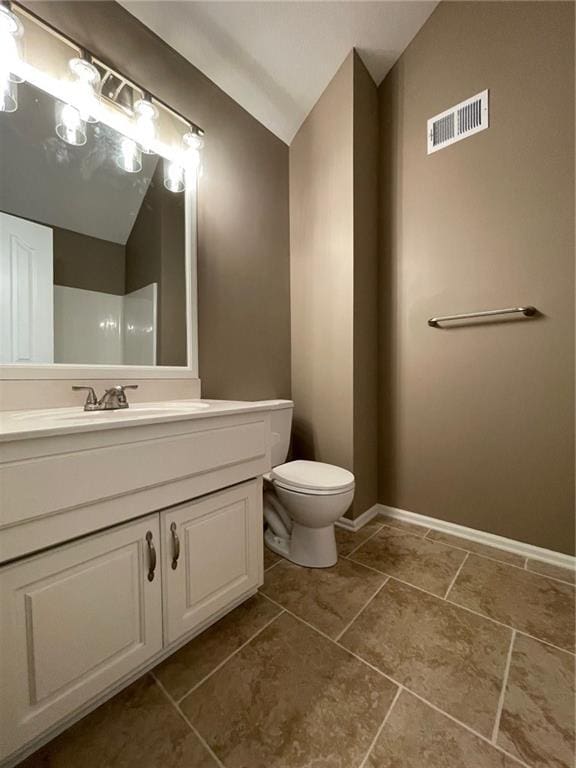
175	546
152	556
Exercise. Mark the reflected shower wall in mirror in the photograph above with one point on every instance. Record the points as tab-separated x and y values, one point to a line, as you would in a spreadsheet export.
98	251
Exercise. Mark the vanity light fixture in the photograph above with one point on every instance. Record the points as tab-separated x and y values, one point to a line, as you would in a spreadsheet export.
85	88
70	126
10	33
146	116
91	92
130	156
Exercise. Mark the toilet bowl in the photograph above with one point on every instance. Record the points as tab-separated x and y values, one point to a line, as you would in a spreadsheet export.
306	498
302	500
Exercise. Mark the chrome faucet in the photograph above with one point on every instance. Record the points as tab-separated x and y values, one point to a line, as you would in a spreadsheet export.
113	399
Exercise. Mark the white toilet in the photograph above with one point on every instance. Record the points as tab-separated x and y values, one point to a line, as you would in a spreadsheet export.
302	500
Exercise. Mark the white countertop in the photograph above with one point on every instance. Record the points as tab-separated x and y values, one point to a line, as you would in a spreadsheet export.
21	425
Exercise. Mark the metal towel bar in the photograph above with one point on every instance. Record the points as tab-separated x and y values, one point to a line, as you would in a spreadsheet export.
528	311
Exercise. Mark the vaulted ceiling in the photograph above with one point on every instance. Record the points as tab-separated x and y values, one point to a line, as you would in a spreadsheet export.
276	58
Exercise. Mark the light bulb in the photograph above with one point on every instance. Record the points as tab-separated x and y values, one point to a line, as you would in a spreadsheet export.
173	176
193	141
85	88
130	156
193	144
8	93
146	116
70	126
11	30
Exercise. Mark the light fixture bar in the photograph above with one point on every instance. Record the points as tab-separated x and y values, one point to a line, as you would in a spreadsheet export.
106	71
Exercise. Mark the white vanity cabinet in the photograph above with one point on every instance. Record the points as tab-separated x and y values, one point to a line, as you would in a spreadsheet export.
212	555
73	621
118	545
82	617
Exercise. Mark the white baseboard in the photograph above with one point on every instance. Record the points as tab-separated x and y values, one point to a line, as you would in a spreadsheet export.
481	537
361	520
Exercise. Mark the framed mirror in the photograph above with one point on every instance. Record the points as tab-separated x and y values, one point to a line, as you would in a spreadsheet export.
97	251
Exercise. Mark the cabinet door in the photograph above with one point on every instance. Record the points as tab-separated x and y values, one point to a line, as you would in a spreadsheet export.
212	555
73	621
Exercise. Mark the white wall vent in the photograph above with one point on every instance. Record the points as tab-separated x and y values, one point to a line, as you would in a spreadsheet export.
459	122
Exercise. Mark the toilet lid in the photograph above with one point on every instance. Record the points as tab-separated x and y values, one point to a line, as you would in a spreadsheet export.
314	476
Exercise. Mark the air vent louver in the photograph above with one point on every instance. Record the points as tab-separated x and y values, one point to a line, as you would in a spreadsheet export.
459	122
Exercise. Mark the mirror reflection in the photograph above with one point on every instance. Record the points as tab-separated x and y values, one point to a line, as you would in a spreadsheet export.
92	245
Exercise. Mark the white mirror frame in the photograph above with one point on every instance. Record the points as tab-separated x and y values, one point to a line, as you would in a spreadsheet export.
117	372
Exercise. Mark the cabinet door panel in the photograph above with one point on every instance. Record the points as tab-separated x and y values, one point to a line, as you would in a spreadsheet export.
220	540
74	621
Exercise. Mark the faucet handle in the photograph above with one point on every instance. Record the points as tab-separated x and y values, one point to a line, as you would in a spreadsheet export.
91	399
120	393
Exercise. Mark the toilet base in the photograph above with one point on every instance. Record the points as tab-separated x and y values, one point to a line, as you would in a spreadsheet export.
310	547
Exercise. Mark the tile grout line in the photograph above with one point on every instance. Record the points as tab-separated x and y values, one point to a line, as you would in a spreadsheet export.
509	626
456	575
478	554
450	602
273	564
365	541
200	738
469	610
401	685
396	578
357	614
381	728
301	620
227	659
523	567
552	578
502	696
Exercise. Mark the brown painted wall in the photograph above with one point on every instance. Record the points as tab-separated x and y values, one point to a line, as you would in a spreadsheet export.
243	248
87	262
322	273
477	423
365	174
333	192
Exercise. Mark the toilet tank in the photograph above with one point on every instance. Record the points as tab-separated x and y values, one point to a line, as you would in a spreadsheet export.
281	424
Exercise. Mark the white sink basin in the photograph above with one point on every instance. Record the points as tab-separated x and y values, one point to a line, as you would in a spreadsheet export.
138	410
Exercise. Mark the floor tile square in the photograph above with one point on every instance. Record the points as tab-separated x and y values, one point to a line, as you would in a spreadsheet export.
415	560
327	598
402	525
290	699
349	540
533	604
537	723
185	668
553	571
270	557
480	549
451	657
138	727
417	736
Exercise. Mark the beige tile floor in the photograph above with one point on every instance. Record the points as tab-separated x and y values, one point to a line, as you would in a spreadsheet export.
417	650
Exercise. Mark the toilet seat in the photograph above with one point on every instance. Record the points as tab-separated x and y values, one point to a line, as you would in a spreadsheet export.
312	477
